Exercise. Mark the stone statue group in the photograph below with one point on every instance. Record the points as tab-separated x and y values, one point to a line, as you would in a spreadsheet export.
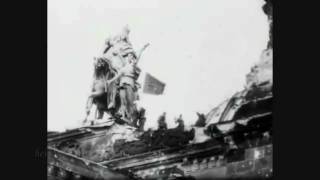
114	88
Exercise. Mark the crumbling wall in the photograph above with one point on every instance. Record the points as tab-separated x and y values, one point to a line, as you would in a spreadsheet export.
268	10
259	81
262	71
101	145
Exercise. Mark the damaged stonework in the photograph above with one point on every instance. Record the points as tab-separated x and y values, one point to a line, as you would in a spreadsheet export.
268	10
233	140
224	152
73	166
259	81
262	73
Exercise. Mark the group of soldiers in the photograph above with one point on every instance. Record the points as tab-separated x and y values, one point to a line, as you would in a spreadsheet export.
114	88
162	124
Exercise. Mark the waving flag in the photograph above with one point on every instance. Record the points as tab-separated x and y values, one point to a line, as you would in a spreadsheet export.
153	85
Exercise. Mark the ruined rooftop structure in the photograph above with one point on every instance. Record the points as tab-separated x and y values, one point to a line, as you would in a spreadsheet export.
233	140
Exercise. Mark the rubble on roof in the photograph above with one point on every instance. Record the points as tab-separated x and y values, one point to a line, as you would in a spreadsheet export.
232	140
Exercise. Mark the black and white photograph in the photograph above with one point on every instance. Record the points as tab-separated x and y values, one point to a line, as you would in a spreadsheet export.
159	89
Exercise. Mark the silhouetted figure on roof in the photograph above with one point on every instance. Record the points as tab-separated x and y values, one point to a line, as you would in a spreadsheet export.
201	122
139	119
180	123
162	124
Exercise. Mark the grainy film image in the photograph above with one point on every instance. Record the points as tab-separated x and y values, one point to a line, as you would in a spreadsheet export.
160	89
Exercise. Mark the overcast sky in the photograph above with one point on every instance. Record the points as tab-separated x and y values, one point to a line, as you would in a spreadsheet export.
202	50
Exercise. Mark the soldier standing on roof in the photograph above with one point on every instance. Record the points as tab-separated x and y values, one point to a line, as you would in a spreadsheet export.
180	123
162	124
141	119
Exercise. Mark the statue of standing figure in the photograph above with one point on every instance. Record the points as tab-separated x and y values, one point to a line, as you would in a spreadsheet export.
115	81
128	85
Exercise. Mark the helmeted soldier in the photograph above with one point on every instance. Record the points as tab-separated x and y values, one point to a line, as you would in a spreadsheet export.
162	124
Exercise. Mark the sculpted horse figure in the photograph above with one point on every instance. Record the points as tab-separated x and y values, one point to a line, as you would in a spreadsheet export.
103	95
115	79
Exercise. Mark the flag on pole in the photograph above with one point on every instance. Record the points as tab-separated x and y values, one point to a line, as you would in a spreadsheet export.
153	85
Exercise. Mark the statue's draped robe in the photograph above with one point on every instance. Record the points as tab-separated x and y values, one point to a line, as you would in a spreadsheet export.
115	47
